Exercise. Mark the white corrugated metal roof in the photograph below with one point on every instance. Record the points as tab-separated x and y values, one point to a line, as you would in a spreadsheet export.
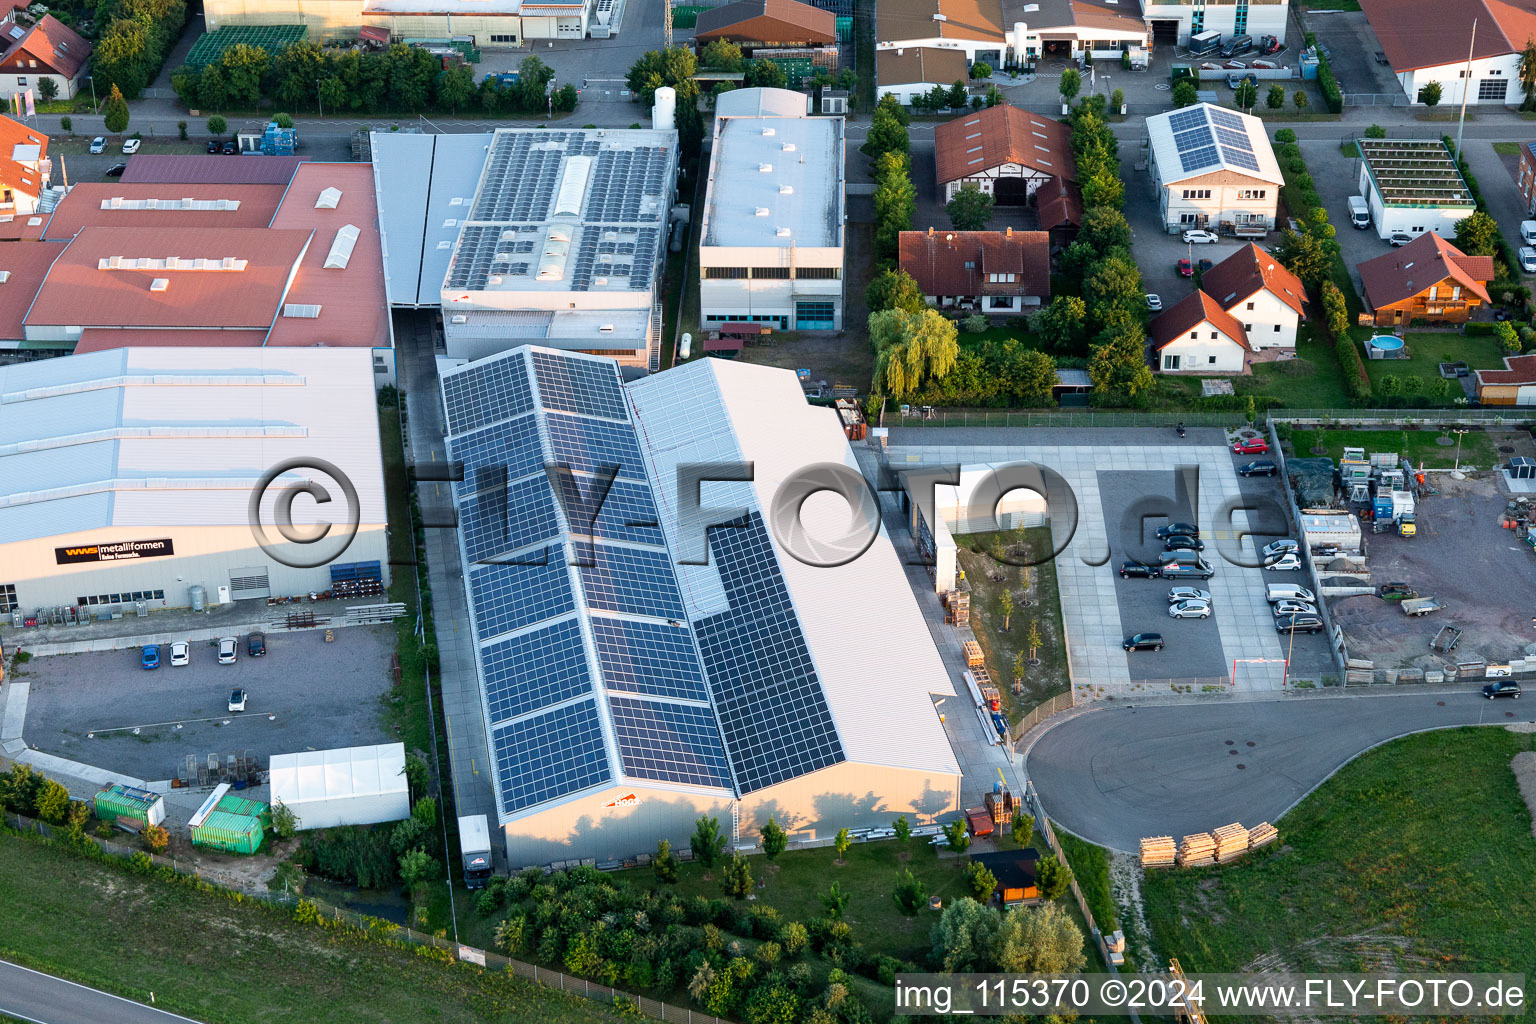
1209	157
417	178
311	775
178	436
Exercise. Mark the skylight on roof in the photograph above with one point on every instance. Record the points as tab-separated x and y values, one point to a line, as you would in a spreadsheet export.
328	199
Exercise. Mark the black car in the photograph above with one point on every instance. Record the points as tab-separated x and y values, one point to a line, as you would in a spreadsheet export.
228	149
1502	688
1129	570
116	170
1177	530
1298	624
1179	542
1143	642
256	645
215	146
1204	265
1262	467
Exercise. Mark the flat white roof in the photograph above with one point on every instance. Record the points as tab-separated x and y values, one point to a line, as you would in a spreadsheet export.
424	184
1198	140
429	7
343	772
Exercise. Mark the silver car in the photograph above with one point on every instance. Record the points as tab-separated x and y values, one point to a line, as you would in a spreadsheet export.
1289	607
1190	610
1188	594
227	647
1278	548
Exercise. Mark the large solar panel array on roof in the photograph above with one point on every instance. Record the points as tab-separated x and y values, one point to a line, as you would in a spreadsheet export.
669	742
534	670
594	446
501	520
513	444
508	597
550	755
585	386
634	581
1207	136
486	393
625	512
648	657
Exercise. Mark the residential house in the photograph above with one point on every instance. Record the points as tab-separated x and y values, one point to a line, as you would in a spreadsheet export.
1428	280
1267	299
1196	335
766	24
47	49
1213	168
910	73
24	168
1012	155
998	273
1428	41
1513	385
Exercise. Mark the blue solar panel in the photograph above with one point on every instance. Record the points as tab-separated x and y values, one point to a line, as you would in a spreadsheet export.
1226	119
491	391
626	513
590	446
1193	139
633	580
670	742
773	713
1237	140
1240	158
1186	119
647	657
550	755
534	670
514	444
508	597
586	386
1196	158
498	521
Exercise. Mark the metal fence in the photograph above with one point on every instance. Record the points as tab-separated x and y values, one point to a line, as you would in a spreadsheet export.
389	931
1510	416
1056	705
1376	99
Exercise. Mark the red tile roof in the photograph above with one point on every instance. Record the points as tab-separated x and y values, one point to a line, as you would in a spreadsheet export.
769	21
53	44
1425	261
1518	370
1188	314
15	175
1059	203
77	292
27	264
354	310
83	207
937	261
1248	270
936	65
1002	135
1429	33
97	339
250	169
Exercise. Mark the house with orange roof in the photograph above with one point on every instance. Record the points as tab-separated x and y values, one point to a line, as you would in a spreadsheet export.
24	168
47	48
1428	280
1267	299
1431	41
1196	335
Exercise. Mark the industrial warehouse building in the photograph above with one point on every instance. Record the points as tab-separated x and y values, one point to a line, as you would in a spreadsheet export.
127	476
486	24
528	236
625	692
1413	187
1213	168
771	243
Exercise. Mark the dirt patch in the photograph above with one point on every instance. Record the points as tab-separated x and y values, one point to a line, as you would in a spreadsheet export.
1525	727
1125	886
1524	767
247	874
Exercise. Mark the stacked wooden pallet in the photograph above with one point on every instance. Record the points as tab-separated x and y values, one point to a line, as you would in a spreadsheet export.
1231	842
973	656
1157	852
1198	850
1261	835
957	608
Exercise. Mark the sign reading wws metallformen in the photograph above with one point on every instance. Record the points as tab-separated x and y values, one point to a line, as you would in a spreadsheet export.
115	552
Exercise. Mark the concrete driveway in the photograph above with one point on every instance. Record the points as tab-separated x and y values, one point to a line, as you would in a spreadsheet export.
1116	775
1353	45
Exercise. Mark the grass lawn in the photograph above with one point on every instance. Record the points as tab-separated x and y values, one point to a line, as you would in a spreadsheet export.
1090	864
405	705
1312	380
1050	677
1507	148
1427	349
1020	331
212	959
1477	447
1418	856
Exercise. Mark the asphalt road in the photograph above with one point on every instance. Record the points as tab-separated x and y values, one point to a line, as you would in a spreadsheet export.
1117	775
43	999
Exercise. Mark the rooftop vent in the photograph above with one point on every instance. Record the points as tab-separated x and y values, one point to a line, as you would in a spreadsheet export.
341	247
761	211
5	275
788	147
782	232
301	311
459	318
939	17
786	190
770	131
328	199
765	168
159	284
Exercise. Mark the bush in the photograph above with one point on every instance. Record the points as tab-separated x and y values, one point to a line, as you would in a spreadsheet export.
359	856
1479	328
284	821
181	129
156	838
975	324
283	120
1326	83
1286	136
67	124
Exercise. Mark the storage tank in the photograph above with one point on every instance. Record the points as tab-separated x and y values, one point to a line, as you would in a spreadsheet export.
685	346
199	596
1020	30
664	113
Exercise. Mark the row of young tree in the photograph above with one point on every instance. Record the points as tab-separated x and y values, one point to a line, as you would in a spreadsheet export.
337	80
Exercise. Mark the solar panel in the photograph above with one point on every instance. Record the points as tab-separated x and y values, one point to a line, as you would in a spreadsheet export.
772	711
636	581
487	392
514	444
627	511
1196	158
1227	119
648	657
1237	140
1192	139
508	597
506	519
550	755
669	742
534	670
586	386
1239	158
1186	119
590	446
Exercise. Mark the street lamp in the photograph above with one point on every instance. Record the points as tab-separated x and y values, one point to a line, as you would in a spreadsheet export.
92	80
318	101
1458	432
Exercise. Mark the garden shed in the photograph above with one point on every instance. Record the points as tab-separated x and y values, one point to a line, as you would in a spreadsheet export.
129	807
230	823
343	786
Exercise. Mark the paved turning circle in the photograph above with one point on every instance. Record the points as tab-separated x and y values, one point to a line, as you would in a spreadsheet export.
1116	775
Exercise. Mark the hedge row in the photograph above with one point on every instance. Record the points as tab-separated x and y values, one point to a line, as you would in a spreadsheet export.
1325	80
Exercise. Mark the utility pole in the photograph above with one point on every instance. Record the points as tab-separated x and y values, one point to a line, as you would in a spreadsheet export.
1466	87
666	21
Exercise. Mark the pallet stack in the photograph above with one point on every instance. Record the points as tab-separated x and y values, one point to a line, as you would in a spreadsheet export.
1231	842
1262	834
1157	852
973	656
957	608
1197	851
1115	943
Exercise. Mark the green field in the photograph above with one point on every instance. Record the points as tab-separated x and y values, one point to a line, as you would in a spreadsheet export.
1417	856
1419	446
210	958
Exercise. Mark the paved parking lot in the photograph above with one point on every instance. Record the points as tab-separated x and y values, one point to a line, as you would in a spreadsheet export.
1337	178
323	695
1352	46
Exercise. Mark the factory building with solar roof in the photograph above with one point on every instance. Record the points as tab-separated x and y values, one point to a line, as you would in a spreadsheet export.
638	670
1213	168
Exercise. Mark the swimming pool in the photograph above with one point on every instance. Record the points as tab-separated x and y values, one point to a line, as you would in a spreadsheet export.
1386	342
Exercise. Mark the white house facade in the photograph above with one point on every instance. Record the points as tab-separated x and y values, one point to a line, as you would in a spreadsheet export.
1213	168
1197	336
1256	291
1172	21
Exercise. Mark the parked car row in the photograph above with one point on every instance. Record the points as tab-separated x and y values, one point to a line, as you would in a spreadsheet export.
181	651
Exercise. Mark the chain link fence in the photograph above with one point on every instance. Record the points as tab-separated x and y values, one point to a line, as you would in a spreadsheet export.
933	416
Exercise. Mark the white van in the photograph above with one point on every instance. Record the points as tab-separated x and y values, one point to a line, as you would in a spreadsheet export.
1528	232
1360	212
1287	592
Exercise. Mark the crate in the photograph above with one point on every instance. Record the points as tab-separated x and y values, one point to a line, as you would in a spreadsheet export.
973	656
1157	851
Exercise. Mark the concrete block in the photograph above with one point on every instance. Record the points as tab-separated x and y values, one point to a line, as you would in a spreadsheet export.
1433	676
1410	676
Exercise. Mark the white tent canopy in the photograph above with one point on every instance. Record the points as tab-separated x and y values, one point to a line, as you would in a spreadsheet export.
346	786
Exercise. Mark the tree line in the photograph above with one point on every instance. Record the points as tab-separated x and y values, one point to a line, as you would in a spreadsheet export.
138	36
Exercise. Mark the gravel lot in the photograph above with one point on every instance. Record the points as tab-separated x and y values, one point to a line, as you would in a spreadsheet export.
1484	575
323	695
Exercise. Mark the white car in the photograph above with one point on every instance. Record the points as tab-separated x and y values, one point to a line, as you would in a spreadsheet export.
181	654
1198	236
237	699
1285	563
1188	594
99	144
1190	610
1527	259
1279	547
131	146
1154	302
1291	607
1399	239
227	647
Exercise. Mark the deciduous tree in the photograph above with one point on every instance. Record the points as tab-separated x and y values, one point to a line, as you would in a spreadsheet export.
721	55
894	289
911	348
1477	235
970	210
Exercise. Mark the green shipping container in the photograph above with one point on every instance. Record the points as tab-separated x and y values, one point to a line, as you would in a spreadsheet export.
130	808
235	825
